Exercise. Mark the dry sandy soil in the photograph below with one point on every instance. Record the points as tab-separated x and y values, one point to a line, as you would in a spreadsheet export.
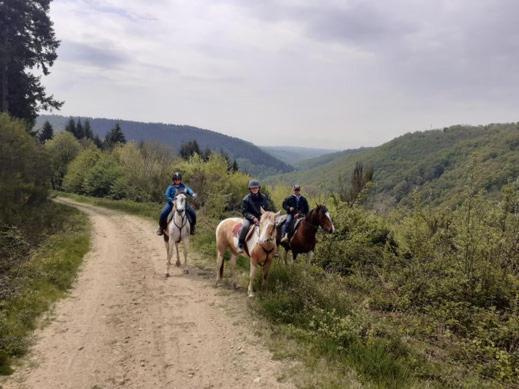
126	325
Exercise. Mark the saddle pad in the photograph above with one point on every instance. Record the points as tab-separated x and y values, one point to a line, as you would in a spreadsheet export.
237	228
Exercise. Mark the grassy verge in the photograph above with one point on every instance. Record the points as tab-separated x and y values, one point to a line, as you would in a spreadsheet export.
34	284
148	210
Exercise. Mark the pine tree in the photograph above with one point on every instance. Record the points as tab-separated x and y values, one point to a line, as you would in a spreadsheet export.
115	136
80	133
46	133
234	167
98	142
27	43
88	130
71	127
187	150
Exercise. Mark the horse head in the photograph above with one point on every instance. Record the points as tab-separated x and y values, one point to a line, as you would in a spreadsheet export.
180	202
267	226
320	216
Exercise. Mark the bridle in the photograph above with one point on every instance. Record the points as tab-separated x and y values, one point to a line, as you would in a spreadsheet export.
183	218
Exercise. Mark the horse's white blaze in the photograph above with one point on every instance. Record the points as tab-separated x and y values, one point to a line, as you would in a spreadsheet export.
330	219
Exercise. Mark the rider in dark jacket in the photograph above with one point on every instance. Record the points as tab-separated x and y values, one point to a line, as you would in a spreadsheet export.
251	210
171	191
294	205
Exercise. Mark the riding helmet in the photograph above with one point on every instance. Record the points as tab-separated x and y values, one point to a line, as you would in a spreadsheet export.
254	184
177	176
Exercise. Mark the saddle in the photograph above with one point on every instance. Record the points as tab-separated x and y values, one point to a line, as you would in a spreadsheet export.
236	233
283	219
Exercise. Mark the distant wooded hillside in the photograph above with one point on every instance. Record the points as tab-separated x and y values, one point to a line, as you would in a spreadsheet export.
437	163
293	155
250	158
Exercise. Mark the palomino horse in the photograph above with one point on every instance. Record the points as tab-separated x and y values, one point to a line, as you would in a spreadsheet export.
303	240
178	230
260	245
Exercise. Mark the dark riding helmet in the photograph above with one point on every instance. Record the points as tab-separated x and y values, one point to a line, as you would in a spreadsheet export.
254	184
296	187
177	176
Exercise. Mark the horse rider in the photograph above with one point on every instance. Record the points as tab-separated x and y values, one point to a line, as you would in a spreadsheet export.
251	210
295	205
171	191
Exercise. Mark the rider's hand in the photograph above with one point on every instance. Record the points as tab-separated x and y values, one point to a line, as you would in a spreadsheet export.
291	209
194	195
256	221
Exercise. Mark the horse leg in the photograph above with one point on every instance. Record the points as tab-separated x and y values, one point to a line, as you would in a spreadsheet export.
285	257
233	271
178	255
219	265
169	254
186	246
252	275
311	256
266	268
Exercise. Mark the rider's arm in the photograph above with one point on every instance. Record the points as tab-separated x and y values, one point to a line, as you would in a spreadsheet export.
285	205
170	193
189	191
246	210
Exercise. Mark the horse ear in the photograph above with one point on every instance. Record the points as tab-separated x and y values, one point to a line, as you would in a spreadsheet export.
262	210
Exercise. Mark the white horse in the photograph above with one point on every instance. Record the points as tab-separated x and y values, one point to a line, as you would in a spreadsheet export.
178	230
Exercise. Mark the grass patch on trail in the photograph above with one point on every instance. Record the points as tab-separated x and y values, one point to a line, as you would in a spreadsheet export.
147	210
34	284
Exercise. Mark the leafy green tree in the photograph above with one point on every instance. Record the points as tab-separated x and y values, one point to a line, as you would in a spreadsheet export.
46	133
63	148
27	42
114	136
79	169
24	169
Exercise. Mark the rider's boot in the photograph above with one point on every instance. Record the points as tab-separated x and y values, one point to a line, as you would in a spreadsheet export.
192	231
284	239
240	247
160	231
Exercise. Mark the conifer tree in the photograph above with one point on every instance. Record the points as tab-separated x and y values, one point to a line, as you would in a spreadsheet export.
71	127
80	133
114	136
27	43
46	133
87	130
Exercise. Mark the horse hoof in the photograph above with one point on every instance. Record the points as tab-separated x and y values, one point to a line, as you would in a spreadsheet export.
251	295
186	271
167	275
177	264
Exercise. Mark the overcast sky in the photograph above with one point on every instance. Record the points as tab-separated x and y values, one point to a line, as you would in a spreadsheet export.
335	74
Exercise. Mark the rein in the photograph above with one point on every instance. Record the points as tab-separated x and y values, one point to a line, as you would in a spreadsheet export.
181	227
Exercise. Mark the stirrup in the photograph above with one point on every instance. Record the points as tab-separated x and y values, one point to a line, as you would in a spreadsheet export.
160	231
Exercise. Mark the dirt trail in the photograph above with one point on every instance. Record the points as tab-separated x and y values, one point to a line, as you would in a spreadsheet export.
125	325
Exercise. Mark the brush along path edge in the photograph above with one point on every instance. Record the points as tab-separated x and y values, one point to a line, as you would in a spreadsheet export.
124	324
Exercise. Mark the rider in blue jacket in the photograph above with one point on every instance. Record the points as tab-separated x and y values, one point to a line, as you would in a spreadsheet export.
170	196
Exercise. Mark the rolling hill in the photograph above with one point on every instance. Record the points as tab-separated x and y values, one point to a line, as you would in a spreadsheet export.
436	163
293	154
250	158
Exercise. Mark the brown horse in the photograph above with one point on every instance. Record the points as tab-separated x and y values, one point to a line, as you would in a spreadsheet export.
260	245
303	240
